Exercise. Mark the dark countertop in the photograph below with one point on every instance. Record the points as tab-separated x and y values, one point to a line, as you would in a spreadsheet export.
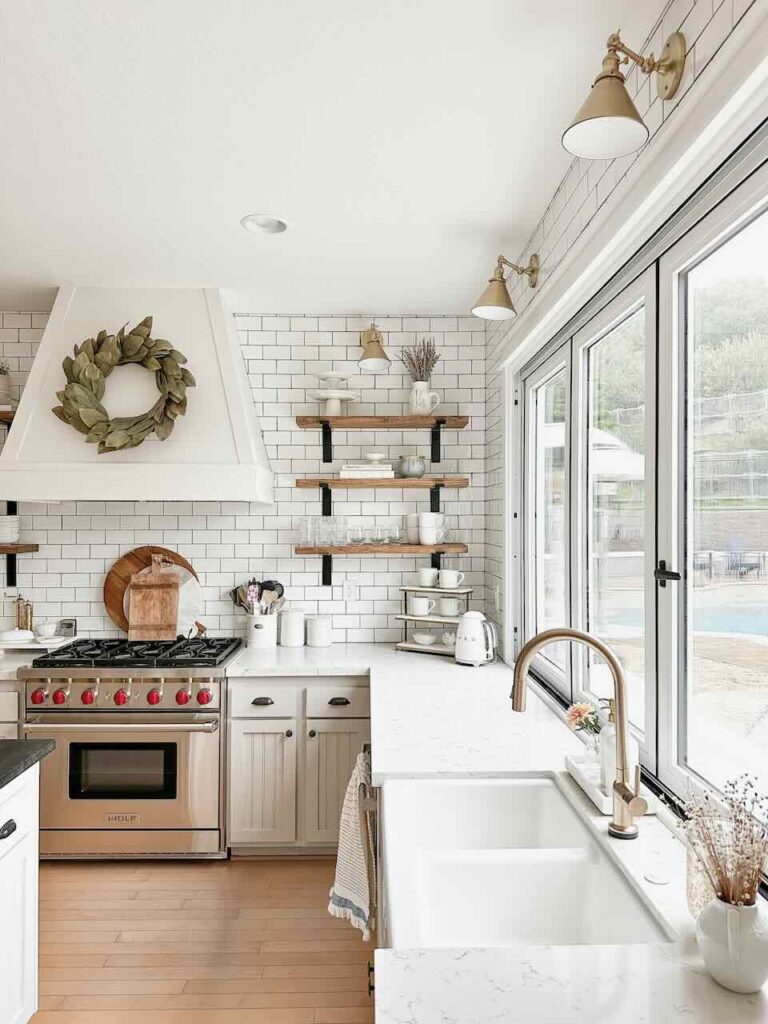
18	755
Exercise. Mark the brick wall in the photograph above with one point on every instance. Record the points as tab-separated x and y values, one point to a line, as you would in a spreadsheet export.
228	542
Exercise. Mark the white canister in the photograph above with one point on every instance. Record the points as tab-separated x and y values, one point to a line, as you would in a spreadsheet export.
291	627
319	631
262	631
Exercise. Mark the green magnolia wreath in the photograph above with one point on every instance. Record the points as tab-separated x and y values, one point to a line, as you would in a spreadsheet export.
86	374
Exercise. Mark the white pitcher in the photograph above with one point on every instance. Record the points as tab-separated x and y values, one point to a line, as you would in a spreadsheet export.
422	399
734	944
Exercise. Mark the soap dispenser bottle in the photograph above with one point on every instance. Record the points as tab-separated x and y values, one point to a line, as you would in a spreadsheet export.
608	749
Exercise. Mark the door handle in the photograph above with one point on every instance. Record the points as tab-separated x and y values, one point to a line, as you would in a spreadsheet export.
661	574
209	726
8	829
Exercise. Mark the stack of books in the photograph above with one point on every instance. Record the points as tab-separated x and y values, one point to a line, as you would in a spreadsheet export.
367	470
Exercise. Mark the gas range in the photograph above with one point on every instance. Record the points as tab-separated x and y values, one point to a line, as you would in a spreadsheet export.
137	769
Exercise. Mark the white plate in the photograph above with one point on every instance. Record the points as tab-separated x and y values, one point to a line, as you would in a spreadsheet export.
325	394
190	599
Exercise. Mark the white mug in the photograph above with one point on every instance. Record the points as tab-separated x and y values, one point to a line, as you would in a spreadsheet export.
412	527
428	535
427	577
449	579
449	606
421	605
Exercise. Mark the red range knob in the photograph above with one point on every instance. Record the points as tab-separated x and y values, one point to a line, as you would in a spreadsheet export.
37	696
154	697
204	696
59	697
121	697
88	697
183	697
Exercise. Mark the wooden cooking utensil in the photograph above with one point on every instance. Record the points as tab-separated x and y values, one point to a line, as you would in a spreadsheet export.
119	576
153	605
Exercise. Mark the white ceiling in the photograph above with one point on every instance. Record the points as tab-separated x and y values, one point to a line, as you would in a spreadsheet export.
405	143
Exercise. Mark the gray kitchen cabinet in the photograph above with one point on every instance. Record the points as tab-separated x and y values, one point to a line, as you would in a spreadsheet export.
262	781
331	747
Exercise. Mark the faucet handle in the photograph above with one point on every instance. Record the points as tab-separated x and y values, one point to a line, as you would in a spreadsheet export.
637	804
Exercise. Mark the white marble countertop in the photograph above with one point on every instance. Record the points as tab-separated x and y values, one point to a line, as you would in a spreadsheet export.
653	984
430	716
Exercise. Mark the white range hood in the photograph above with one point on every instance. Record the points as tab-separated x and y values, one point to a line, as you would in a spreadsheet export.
216	451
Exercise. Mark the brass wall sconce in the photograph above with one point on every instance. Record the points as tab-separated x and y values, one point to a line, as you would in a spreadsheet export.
374	359
608	125
495	303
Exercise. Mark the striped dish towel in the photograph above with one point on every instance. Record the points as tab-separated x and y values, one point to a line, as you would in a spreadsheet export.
353	893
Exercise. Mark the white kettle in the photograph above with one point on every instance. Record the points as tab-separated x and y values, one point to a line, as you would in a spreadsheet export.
475	640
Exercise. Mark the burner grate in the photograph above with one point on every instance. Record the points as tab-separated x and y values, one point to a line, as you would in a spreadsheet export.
199	652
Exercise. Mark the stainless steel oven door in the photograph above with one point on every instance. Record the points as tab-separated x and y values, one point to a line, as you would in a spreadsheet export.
126	771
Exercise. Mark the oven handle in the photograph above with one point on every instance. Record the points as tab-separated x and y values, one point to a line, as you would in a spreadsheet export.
209	726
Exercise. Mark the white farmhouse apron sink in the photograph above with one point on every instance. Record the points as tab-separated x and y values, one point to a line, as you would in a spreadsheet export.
500	862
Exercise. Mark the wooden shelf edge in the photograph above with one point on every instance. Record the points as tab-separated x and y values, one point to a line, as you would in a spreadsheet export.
18	549
423	482
450	422
383	549
6	415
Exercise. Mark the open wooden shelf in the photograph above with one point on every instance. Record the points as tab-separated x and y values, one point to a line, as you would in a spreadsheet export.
424	482
382	422
434	423
382	549
18	549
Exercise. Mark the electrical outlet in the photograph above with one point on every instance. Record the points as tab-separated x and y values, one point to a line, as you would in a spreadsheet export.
497	597
349	590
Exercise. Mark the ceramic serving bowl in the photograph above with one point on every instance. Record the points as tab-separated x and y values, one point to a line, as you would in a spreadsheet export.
375	457
424	639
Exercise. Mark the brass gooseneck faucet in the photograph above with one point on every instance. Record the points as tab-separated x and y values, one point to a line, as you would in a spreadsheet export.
627	802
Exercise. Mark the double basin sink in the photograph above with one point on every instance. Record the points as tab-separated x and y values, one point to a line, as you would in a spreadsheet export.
500	862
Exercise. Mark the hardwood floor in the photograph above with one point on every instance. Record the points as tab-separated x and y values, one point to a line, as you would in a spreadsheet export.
210	942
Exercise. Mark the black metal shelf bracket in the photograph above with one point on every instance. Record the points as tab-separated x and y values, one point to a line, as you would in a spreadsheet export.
325	426
436	559
327	500
10	560
327	576
434	498
436	445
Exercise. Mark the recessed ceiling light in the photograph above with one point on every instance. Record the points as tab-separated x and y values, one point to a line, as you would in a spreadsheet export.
256	222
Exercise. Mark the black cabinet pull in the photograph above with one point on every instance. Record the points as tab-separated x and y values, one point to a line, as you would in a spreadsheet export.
289	733
8	829
262	702
662	574
313	733
339	702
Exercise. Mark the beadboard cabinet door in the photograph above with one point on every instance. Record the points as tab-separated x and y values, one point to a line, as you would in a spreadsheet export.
331	749
262	781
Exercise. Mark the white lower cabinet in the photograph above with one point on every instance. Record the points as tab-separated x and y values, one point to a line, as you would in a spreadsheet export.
18	898
262	781
331	749
288	775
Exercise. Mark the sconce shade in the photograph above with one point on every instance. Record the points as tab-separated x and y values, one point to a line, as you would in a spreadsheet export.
374	359
495	302
608	124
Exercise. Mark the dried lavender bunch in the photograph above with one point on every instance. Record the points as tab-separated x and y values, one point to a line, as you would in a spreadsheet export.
420	360
730	838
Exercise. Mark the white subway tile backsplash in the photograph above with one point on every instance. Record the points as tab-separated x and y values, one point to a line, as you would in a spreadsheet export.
228	542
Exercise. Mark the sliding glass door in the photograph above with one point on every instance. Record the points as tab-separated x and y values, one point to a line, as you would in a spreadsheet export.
714	482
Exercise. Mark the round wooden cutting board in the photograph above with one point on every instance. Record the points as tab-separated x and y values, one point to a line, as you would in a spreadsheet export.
119	576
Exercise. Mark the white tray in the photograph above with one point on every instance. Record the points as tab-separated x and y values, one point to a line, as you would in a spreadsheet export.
575	763
423	649
38	644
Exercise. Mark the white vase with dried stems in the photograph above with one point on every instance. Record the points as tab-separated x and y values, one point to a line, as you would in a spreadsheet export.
730	839
420	361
